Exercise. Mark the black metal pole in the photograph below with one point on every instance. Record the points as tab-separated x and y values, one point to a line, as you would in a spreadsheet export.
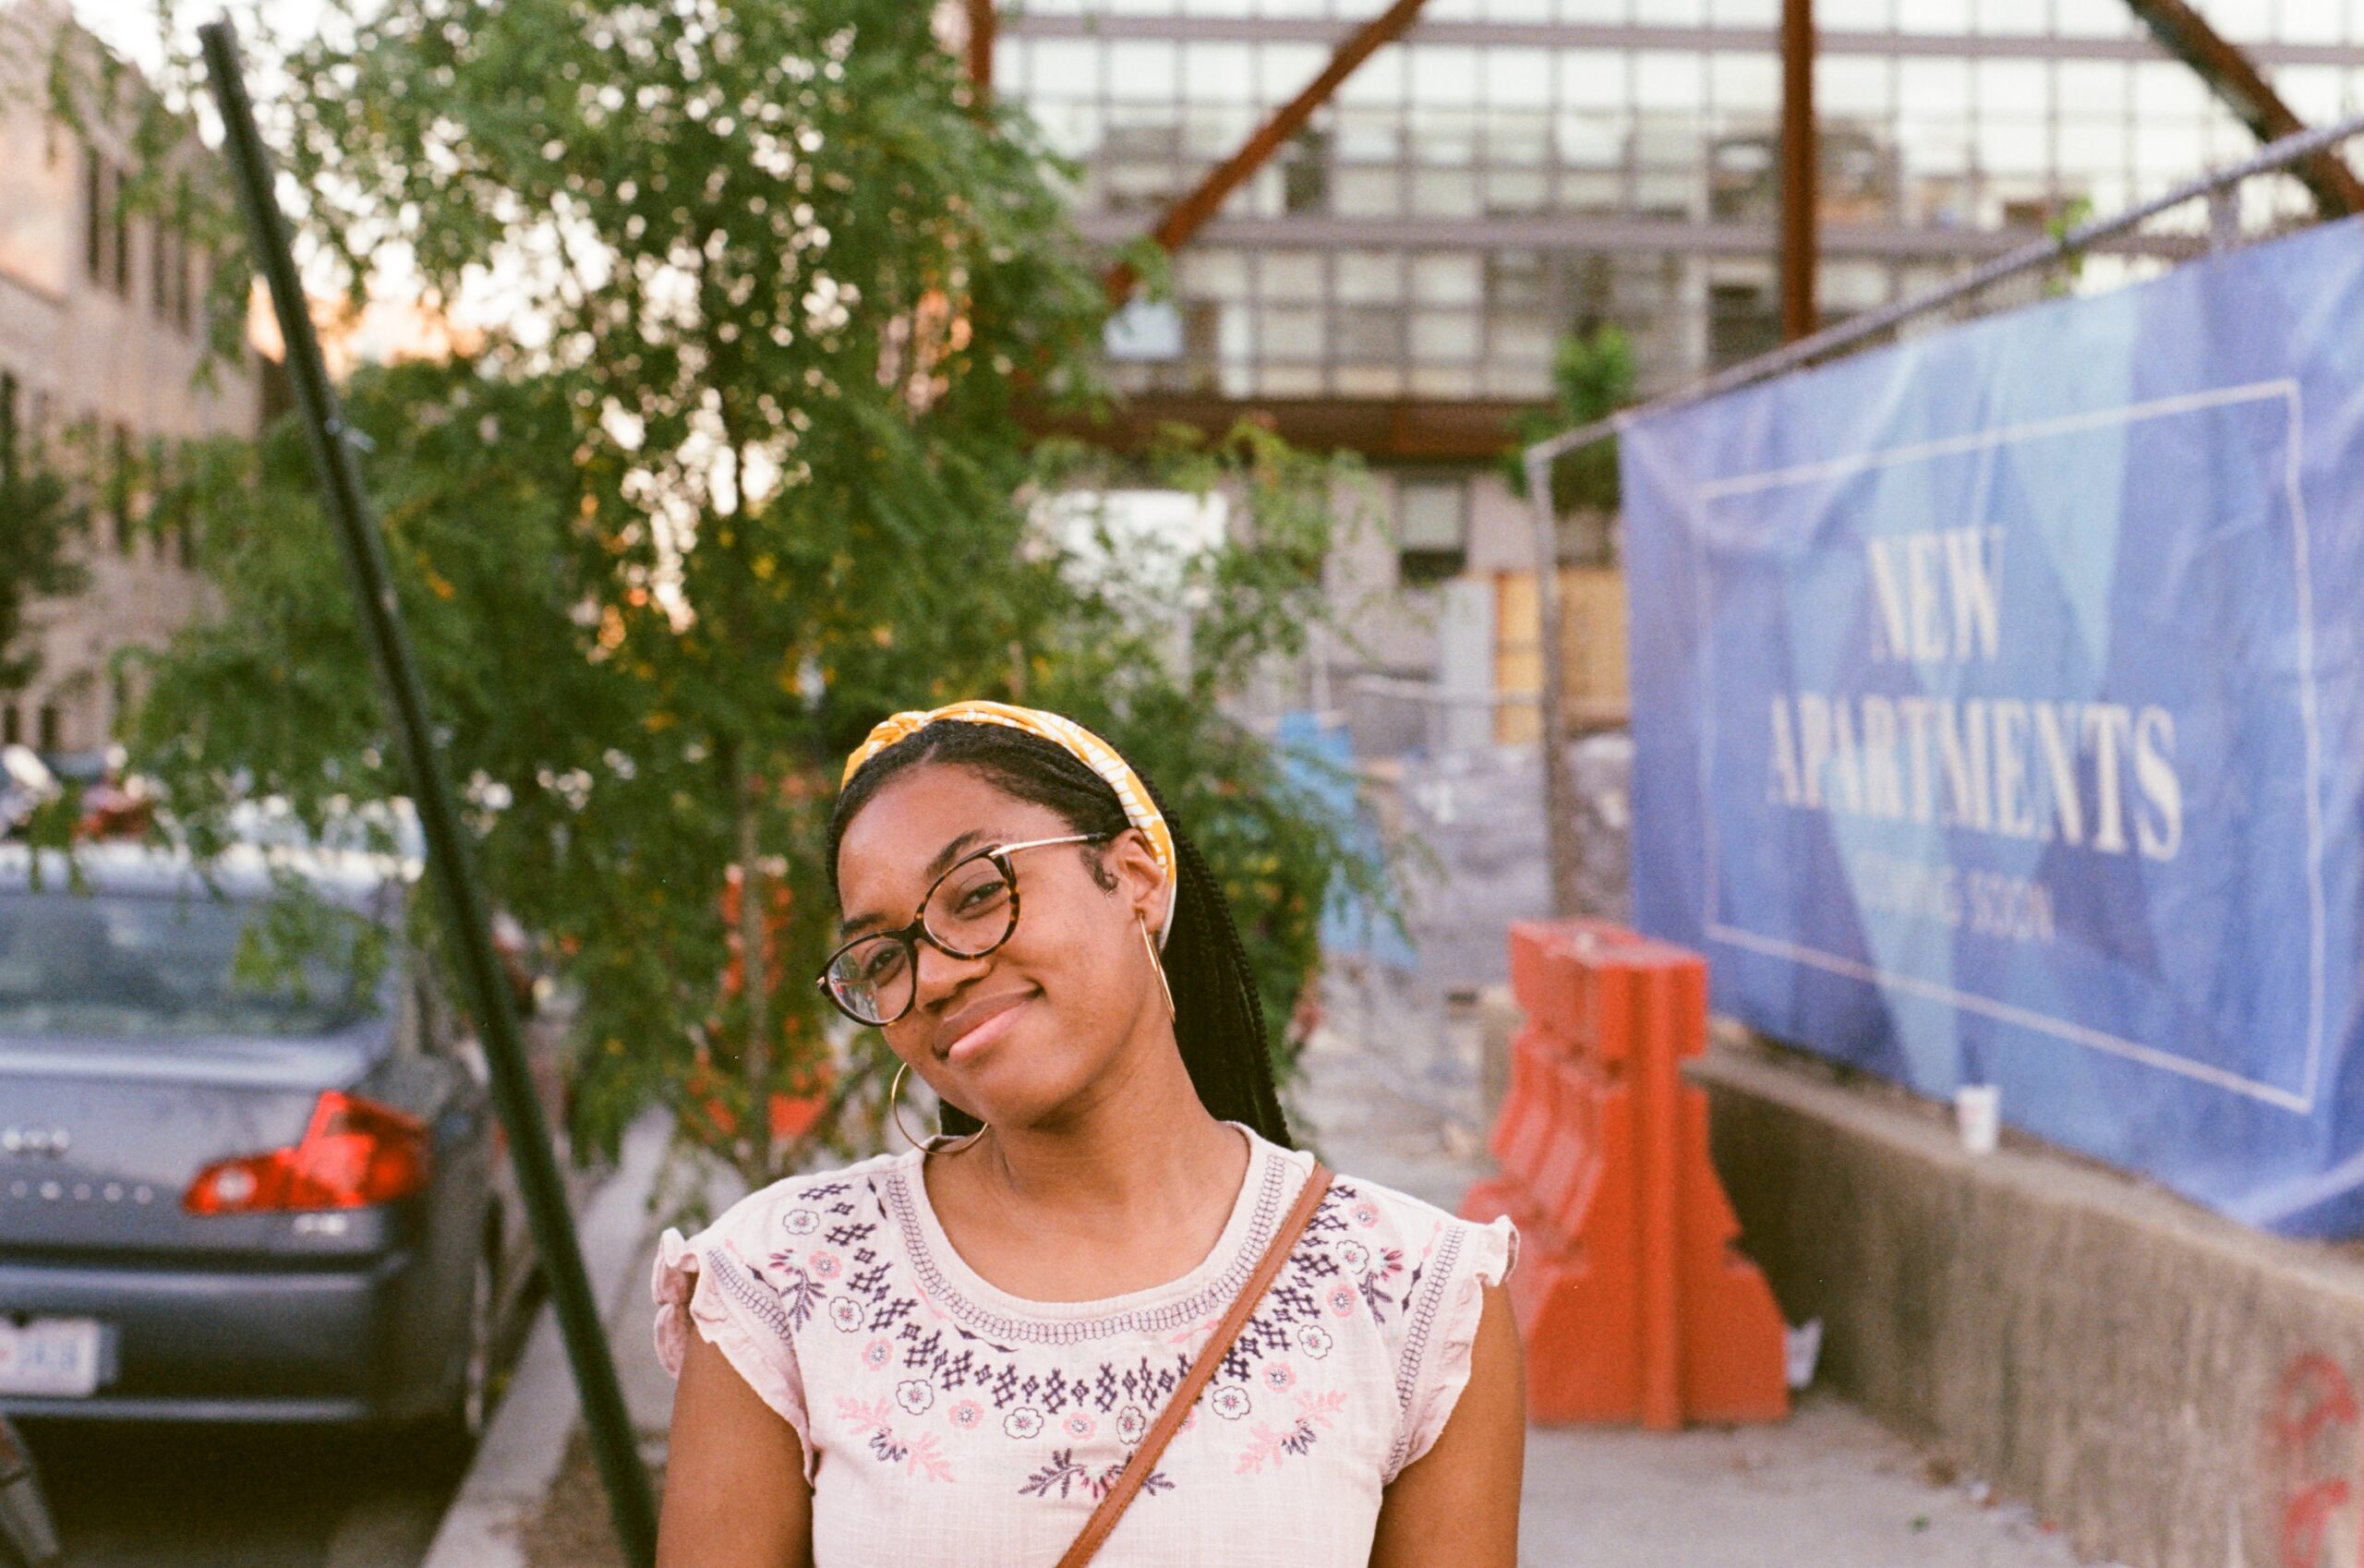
449	864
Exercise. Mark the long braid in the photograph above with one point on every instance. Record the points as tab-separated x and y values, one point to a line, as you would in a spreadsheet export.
1218	1015
1206	962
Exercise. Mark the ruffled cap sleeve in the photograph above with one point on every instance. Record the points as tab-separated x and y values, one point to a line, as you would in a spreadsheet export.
1481	1255
699	1285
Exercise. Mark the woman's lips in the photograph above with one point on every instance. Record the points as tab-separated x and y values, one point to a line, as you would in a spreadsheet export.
983	1035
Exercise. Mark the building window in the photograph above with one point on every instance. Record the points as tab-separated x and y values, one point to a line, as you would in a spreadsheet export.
171	512
1742	322
1432	529
1305	172
1140	167
106	227
185	264
12	728
120	487
95	192
1371	335
49	727
162	265
9	427
119	238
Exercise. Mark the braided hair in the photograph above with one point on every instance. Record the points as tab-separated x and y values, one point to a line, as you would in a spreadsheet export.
1218	1016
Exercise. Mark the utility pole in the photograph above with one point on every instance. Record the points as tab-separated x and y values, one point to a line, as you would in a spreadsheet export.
450	867
1564	863
1799	160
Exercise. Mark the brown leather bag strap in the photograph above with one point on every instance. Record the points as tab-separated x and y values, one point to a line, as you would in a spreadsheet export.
1169	1421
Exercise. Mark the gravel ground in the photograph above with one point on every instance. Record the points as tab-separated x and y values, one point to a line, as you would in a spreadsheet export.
573	1530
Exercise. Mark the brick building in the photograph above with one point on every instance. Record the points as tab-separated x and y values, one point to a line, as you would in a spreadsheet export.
102	321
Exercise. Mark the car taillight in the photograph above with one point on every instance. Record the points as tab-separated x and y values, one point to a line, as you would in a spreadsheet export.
354	1153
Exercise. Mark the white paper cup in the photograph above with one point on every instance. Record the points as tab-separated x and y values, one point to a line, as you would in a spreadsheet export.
1978	1111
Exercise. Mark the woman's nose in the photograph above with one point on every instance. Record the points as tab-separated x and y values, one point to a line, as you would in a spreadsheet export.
940	973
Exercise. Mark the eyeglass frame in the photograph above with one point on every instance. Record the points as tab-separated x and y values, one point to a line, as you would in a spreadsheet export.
913	934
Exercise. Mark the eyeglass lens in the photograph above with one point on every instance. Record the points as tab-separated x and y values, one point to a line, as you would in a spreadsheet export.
968	913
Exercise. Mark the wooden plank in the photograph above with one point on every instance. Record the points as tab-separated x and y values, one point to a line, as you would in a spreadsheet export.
1593	652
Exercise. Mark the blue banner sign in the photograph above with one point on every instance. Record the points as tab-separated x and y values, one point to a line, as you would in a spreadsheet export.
1998	704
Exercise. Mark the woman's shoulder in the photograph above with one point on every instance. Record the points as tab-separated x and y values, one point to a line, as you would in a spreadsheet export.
1416	1274
750	1281
805	1204
1404	1253
1369	1204
749	1273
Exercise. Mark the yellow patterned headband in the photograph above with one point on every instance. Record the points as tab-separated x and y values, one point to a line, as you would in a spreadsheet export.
1088	748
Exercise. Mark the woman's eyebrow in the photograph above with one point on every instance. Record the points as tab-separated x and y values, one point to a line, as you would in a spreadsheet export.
935	868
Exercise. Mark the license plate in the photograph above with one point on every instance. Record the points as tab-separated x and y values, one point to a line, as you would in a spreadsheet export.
52	1358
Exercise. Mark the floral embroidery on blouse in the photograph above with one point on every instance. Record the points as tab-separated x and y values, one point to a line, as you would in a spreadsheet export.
1269	1443
874	1421
848	1276
1064	1473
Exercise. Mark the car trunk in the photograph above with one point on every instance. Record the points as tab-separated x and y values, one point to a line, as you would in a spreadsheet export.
100	1139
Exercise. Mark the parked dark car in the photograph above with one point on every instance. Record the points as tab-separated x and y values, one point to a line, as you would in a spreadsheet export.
239	1192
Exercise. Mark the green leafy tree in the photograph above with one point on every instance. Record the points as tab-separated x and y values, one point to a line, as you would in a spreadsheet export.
39	520
737	470
1592	378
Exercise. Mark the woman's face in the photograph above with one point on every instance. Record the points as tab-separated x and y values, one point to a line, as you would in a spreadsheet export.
1016	1036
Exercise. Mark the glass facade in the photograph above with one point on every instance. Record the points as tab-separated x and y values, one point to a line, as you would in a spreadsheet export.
1515	169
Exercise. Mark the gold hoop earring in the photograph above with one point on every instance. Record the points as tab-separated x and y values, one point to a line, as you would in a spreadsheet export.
1157	964
894	1110
895	1103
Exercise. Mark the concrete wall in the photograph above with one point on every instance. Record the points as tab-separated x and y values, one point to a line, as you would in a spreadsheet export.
2174	1389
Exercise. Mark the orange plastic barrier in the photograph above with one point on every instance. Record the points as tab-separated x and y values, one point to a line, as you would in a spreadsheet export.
1632	1304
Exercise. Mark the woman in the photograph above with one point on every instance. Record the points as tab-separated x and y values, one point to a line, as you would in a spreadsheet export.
946	1356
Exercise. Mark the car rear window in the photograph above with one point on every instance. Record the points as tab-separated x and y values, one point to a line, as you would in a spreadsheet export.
105	966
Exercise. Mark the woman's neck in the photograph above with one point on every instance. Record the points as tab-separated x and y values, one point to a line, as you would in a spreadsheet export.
1139	1145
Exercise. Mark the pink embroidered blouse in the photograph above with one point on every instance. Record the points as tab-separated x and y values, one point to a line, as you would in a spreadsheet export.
945	1420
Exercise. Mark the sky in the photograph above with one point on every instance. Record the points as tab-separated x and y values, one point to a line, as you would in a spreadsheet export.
130	25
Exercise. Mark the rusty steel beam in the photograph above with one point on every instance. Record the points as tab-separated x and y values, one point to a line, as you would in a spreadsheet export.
1182	219
1800	154
2238	84
981	49
1381	429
